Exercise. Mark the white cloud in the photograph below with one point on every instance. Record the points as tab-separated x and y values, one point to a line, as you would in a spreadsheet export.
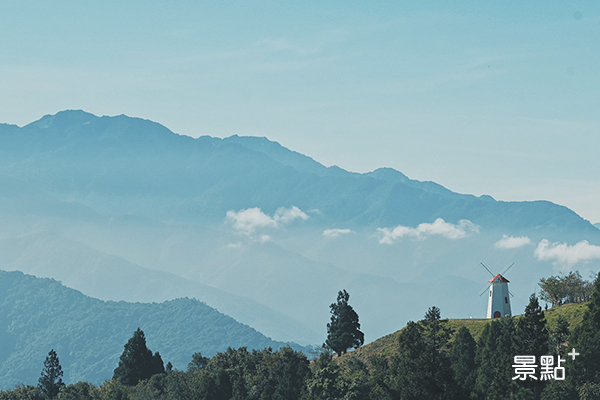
438	227
286	215
247	221
567	255
333	233
512	242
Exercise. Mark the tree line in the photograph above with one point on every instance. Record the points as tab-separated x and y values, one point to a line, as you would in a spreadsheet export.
430	361
569	288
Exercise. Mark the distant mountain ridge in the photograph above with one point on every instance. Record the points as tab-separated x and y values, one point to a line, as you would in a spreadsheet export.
124	209
37	315
200	176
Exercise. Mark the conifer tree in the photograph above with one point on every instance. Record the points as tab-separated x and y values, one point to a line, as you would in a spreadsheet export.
586	340
137	362
559	335
343	332
494	360
532	339
421	369
436	333
462	358
50	383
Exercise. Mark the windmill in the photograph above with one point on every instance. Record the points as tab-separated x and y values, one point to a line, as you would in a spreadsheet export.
499	295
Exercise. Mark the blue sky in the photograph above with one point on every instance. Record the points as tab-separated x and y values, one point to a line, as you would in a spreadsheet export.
500	98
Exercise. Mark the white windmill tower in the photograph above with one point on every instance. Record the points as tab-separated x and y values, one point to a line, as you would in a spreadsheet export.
499	295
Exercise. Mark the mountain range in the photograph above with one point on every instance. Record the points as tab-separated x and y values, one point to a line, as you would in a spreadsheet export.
122	208
37	315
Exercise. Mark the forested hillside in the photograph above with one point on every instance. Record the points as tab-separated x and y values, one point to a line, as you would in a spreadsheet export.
430	359
37	315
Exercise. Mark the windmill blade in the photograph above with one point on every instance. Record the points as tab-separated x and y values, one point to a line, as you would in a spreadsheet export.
487	269
511	295
505	270
484	290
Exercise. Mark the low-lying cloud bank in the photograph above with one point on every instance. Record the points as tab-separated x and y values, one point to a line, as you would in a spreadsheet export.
512	242
567	255
247	221
438	227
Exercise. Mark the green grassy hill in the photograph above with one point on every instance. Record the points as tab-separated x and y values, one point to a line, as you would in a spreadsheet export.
388	345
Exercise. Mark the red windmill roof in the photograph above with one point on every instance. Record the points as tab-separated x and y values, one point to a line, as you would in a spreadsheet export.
498	278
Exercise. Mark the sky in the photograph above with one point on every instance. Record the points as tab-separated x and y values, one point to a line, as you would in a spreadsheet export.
497	98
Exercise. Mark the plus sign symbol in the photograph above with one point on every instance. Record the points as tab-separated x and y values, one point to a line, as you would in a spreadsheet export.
573	354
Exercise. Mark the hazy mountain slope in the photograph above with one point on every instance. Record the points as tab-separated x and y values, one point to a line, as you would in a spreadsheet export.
109	277
37	315
138	199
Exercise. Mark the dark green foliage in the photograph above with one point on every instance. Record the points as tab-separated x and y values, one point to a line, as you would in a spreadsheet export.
436	333
113	390
343	332
78	391
586	339
326	382
262	374
589	391
422	368
288	373
462	359
360	383
559	335
570	288
50	383
560	390
90	333
22	392
494	360
198	362
137	362
433	314
531	338
425	365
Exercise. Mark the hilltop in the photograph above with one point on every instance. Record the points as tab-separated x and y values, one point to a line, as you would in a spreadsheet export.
388	345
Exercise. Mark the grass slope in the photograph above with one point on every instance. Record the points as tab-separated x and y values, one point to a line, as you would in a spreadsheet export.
388	345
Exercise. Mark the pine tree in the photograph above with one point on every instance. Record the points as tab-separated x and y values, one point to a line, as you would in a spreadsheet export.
586	340
462	358
50	383
532	339
436	333
137	362
343	332
494	360
559	335
422	368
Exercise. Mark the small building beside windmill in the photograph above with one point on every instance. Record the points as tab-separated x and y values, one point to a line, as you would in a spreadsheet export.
499	299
